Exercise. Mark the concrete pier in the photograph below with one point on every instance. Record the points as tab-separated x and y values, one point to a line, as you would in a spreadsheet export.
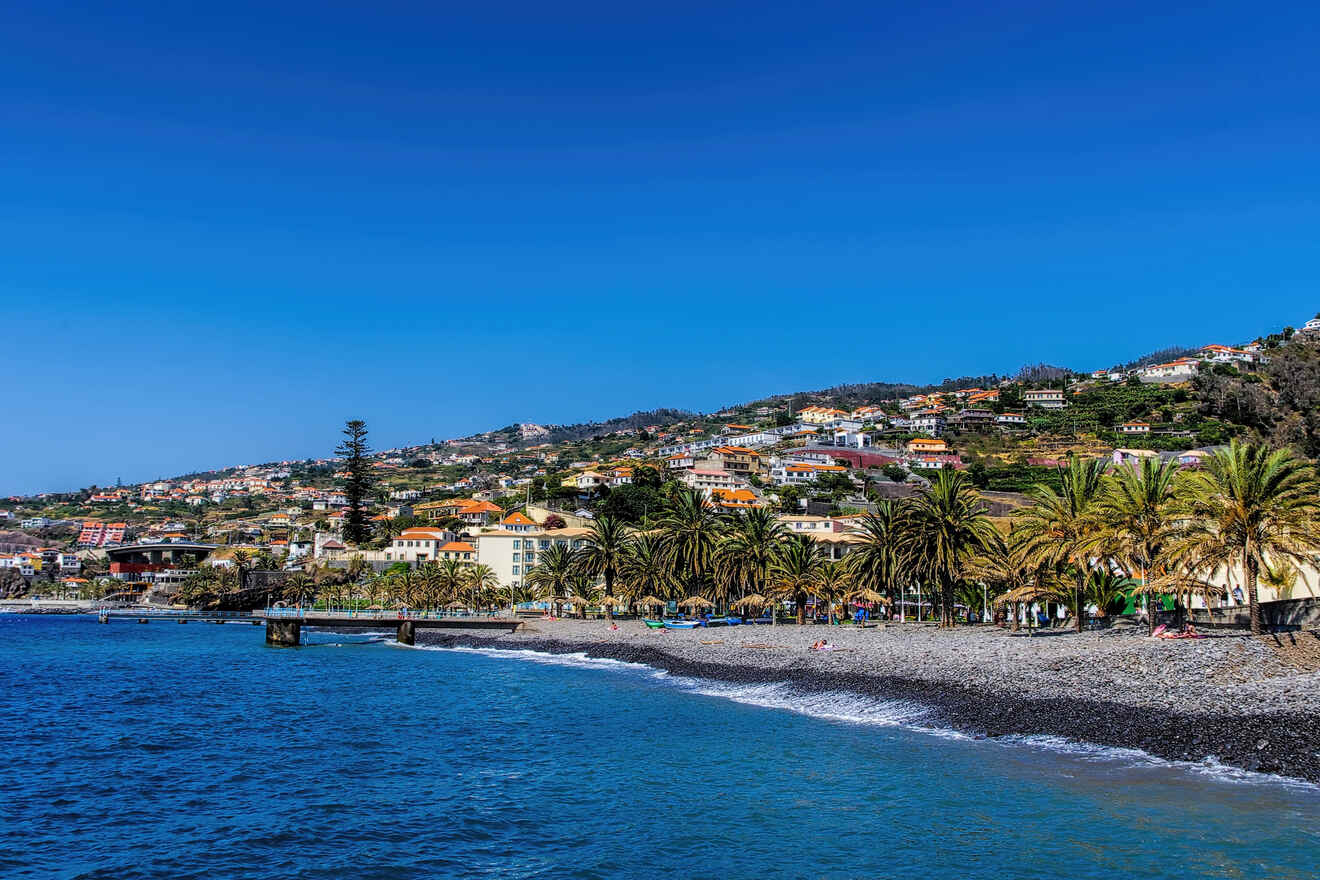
283	632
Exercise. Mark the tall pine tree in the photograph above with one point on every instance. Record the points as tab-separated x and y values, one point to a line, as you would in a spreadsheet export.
355	451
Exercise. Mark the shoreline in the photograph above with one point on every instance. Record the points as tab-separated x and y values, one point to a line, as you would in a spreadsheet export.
1283	740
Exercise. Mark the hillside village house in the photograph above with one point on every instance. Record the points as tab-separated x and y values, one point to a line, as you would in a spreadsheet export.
1180	370
799	473
735	459
707	479
1010	420
820	415
931	424
1134	428
1046	398
1223	354
926	446
736	499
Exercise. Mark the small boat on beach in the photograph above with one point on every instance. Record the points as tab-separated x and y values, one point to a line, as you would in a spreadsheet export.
682	624
654	624
724	621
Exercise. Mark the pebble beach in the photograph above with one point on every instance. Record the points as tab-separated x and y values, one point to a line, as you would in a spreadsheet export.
1250	702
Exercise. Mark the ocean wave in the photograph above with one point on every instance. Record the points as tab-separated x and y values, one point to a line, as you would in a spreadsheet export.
576	660
1210	767
849	708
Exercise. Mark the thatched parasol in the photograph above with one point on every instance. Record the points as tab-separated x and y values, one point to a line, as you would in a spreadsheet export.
457	604
753	600
867	595
610	600
375	607
696	602
1025	593
652	600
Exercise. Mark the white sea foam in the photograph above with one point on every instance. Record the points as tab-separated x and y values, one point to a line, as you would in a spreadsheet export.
839	706
1210	767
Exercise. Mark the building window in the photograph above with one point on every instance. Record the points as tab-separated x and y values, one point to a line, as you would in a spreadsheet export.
515	569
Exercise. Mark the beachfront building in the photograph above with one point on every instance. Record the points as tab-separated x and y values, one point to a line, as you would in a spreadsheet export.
511	554
159	564
418	545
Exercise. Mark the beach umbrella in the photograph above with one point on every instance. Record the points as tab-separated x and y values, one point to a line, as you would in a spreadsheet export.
374	607
456	604
867	595
696	602
753	600
609	600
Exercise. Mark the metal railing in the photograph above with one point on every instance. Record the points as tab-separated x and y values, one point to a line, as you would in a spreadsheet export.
365	614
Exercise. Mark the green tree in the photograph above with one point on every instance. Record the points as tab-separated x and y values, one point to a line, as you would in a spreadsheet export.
357	488
745	554
602	553
878	561
689	532
552	574
1252	509
1137	518
795	573
1059	528
947	525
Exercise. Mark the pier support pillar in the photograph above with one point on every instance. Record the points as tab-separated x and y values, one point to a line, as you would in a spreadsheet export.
407	632
283	632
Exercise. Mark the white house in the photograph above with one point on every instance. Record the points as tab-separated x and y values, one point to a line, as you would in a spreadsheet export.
1180	370
1134	427
1046	398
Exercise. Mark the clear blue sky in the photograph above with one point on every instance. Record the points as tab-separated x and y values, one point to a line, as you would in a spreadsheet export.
227	229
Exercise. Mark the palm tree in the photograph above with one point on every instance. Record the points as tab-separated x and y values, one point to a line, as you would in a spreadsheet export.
603	552
795	572
242	560
297	587
745	554
878	561
1002	565
689	532
833	583
451	577
947	525
1059	527
644	570
1137	518
1252	509
552	574
482	581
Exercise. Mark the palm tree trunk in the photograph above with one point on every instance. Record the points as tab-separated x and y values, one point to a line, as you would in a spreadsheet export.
1079	598
1253	602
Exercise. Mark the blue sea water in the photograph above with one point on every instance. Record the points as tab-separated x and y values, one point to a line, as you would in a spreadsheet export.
196	751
